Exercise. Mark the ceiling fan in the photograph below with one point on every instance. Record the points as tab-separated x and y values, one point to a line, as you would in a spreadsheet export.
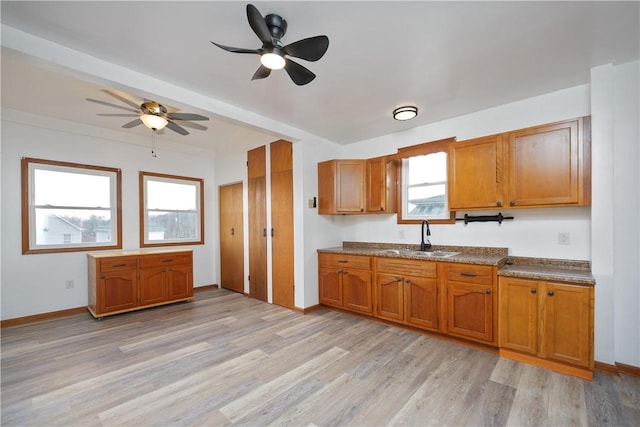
152	114
270	29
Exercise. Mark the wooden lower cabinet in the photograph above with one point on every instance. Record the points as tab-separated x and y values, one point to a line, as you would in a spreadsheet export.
345	281
119	283
547	323
407	292
472	302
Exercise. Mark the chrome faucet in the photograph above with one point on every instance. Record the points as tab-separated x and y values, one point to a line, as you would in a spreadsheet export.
425	244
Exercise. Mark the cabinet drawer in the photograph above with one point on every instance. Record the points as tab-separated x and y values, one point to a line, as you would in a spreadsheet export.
159	260
119	264
407	267
351	261
470	273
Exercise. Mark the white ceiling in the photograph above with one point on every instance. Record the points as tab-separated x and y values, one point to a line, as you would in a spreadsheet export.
447	58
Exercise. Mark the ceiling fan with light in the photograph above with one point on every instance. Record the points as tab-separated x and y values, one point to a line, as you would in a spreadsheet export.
273	55
152	114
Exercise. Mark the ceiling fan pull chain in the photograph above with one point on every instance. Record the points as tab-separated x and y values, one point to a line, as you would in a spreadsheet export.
153	144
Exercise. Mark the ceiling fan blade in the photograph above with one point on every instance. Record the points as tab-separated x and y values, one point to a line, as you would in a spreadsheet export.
121	98
132	123
186	116
237	49
299	74
261	73
116	115
258	24
178	129
97	101
192	125
309	49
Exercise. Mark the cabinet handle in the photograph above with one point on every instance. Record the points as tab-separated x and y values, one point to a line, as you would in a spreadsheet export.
233	231
499	203
512	203
408	281
469	274
381	208
103	277
533	291
550	293
398	279
118	265
273	232
488	291
343	261
167	260
345	272
164	269
264	232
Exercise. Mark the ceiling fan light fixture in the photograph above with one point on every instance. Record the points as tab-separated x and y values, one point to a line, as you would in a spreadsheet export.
154	122
407	112
272	60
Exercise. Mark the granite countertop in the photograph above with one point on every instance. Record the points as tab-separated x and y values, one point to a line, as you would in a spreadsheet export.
573	271
548	269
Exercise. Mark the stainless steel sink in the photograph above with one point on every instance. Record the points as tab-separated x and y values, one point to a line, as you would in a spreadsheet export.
435	254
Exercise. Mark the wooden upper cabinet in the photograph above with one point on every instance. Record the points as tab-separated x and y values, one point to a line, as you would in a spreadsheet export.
477	173
341	186
544	165
381	185
541	166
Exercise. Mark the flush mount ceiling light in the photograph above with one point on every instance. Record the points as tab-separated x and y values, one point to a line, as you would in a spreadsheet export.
154	122
405	113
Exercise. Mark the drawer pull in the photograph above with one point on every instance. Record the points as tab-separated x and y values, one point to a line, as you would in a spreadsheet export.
533	291
488	292
550	293
343	261
167	260
118	265
469	274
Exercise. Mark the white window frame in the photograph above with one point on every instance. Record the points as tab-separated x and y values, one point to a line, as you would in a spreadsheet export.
406	187
29	207
198	183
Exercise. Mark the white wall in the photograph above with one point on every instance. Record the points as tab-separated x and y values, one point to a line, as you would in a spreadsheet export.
533	232
33	284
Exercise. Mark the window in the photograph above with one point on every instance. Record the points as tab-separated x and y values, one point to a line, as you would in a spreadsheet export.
171	210
69	207
424	177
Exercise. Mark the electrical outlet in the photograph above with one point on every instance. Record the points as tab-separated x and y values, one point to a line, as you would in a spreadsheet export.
69	284
563	238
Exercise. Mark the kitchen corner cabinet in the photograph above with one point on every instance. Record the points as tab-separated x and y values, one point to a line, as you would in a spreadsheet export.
547	323
131	281
345	281
407	291
541	166
472	302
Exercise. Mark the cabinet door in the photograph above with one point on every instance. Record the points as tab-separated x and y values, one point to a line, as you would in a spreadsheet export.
257	199
117	290
477	173
381	183
356	289
350	175
180	282
518	318
544	165
153	285
470	310
568	330
330	286
390	301
421	302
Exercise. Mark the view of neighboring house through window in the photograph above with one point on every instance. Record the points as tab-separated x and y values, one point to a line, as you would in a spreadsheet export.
69	207
171	210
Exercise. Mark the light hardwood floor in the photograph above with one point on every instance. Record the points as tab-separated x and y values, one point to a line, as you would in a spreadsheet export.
225	359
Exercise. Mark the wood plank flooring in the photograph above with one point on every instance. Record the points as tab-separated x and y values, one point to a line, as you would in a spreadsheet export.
225	359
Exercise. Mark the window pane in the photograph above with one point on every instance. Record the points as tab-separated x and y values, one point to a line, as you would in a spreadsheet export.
71	189
72	226
427	168
426	201
172	226
170	195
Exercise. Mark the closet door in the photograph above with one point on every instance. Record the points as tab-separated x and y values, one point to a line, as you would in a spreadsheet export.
257	190
231	238
282	223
